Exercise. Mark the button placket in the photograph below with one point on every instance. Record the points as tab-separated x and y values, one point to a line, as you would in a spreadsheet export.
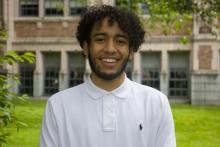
109	118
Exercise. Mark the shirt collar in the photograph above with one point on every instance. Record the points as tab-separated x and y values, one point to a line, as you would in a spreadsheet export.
122	92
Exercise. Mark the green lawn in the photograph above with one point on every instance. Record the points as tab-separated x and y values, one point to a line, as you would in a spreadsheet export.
196	126
31	114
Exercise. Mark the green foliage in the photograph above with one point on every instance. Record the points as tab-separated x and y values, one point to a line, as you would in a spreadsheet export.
59	5
11	57
172	15
7	116
168	15
206	10
3	37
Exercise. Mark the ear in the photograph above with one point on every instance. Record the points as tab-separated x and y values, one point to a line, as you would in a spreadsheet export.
85	49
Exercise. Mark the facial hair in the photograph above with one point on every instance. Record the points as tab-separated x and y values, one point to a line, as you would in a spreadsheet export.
103	75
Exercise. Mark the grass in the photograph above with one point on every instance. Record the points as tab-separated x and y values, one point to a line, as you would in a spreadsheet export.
196	126
31	114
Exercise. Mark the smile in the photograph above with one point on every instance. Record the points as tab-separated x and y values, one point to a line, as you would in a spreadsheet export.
109	60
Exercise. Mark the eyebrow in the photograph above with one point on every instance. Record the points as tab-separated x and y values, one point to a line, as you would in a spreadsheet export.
99	34
105	34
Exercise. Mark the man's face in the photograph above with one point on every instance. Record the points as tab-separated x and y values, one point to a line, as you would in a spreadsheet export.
108	50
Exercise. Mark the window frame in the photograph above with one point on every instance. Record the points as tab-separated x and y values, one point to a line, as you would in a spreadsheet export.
76	77
177	82
78	8
51	86
55	8
26	75
151	80
23	12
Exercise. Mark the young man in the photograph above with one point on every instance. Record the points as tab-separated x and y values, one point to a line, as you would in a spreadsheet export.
108	110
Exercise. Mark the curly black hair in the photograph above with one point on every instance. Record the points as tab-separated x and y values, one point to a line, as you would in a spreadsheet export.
127	21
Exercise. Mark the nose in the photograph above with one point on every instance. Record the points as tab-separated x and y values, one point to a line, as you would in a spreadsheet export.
110	47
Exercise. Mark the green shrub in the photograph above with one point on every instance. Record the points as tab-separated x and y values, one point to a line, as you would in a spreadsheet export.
7	116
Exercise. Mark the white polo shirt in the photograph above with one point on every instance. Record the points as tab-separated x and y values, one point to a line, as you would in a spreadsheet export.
133	115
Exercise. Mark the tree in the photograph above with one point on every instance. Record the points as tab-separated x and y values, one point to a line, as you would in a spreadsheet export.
7	115
174	14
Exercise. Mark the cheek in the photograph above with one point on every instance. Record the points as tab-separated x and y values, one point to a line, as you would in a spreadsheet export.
125	53
95	49
93	56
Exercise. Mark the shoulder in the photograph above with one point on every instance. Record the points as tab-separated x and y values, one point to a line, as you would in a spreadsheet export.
147	90
153	102
149	94
67	94
64	102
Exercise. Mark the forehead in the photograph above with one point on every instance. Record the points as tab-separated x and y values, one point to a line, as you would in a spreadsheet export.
107	24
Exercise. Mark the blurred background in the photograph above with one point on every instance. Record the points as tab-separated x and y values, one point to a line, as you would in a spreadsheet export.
180	57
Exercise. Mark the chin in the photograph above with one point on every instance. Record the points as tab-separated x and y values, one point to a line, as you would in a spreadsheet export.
108	76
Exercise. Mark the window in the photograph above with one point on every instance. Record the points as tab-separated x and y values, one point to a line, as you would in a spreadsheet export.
54	7
151	69
140	6
51	73
77	68
178	75
76	77
77	6
178	83
151	77
26	79
51	80
28	7
146	7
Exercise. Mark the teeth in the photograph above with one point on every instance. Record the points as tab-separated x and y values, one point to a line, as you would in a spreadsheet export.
108	60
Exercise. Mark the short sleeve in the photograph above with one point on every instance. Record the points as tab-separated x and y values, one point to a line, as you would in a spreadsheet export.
166	131
49	132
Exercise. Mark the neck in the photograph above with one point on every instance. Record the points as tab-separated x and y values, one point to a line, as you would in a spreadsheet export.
107	85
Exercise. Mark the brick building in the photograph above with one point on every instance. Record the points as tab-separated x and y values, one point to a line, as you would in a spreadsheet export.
185	72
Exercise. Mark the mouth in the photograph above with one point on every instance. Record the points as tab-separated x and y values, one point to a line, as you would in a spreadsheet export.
109	62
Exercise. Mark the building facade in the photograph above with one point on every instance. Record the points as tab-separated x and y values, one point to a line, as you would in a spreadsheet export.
2	42
184	72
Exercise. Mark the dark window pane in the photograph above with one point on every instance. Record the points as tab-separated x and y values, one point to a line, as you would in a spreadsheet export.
51	80
26	80
54	7
178	84
28	7
76	77
151	77
77	6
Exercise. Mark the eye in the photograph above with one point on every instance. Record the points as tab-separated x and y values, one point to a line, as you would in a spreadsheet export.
99	40
121	41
